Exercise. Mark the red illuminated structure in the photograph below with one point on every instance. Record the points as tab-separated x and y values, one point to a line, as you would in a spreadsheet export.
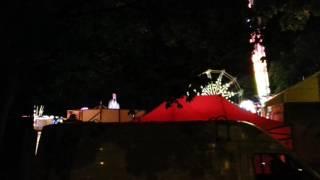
209	135
215	108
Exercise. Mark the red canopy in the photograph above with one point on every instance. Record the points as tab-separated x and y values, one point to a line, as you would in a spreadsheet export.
210	108
204	108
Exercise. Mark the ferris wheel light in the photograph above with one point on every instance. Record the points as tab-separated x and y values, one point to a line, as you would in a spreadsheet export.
224	85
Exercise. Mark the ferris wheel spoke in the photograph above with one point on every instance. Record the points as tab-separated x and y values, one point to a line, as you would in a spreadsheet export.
221	83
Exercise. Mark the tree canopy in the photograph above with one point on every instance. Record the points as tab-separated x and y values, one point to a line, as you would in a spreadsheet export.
68	54
77	53
292	37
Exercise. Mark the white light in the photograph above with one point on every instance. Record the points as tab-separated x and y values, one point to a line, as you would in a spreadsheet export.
37	142
248	105
84	108
113	104
218	87
224	85
250	3
260	67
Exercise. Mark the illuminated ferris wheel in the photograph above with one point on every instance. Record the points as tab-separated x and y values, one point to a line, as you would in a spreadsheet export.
219	82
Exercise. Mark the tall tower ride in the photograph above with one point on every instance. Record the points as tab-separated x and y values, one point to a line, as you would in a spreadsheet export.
258	57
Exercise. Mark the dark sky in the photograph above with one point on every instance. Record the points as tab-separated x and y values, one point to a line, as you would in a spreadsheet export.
75	53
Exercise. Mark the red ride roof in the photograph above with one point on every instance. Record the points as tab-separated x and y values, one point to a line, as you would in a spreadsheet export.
206	108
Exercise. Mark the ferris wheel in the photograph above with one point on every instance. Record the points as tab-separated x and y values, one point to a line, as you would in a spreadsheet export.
219	82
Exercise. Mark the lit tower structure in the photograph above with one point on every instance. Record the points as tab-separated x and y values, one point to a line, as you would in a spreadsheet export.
258	57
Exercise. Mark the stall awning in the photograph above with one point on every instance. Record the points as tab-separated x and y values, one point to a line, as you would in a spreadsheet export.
214	108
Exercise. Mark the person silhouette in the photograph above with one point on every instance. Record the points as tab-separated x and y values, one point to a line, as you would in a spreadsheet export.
72	119
113	104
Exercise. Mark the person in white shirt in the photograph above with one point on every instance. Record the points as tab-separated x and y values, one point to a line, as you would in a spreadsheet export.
113	104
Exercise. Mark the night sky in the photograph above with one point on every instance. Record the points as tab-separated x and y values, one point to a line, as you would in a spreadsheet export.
70	54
